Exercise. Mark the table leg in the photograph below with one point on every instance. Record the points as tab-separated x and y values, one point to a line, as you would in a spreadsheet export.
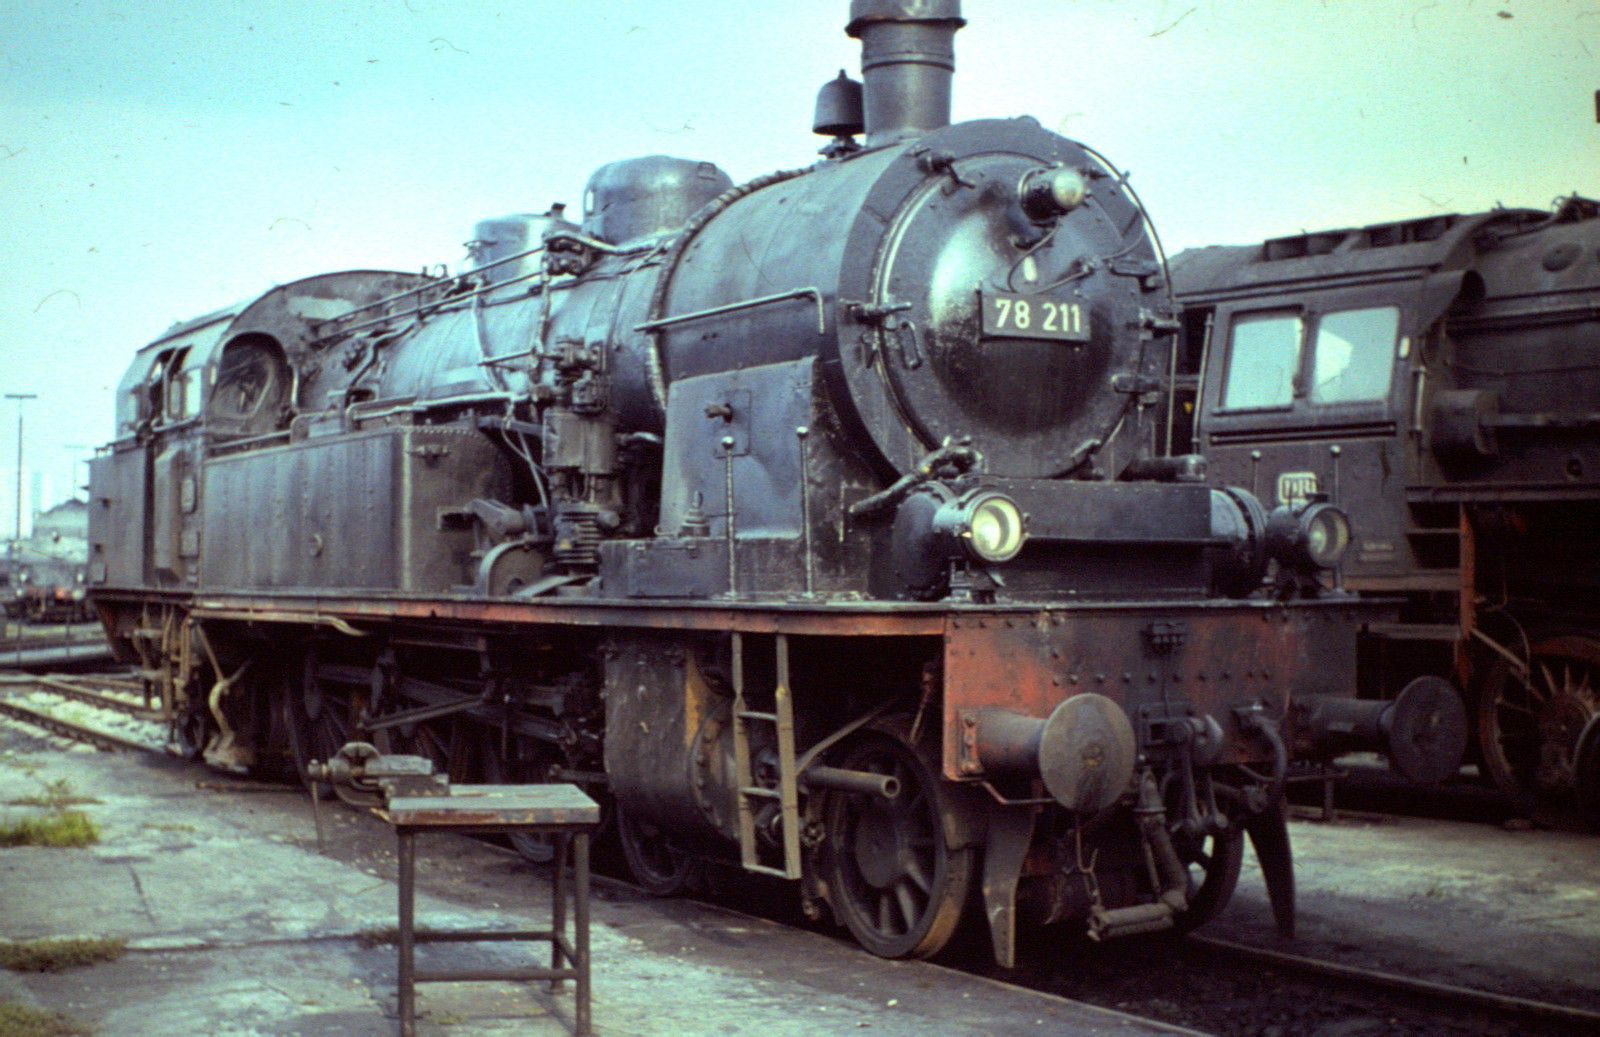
580	937
407	860
558	903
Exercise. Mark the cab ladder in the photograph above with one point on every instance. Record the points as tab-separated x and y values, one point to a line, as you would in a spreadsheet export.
752	796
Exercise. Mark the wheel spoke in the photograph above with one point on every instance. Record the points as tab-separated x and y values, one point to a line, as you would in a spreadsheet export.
908	905
1213	864
1540	691
917	874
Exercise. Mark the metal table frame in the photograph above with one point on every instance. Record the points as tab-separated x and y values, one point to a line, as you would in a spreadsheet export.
562	811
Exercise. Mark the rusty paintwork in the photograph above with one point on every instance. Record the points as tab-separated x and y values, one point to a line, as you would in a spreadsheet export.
1158	663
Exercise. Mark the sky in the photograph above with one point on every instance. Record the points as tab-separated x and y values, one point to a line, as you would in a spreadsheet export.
159	160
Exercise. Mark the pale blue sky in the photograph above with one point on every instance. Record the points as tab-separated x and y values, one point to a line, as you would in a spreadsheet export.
159	160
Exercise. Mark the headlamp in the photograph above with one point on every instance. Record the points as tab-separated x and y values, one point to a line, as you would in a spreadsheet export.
988	524
1046	194
1313	536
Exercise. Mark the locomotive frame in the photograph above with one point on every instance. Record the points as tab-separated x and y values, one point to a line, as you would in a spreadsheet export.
743	507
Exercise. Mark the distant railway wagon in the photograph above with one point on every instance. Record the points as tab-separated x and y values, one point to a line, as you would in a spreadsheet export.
1439	380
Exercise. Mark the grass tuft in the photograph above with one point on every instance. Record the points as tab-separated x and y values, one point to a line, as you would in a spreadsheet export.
57	795
54	953
65	828
18	1020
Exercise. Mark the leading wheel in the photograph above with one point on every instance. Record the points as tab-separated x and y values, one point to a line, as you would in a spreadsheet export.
896	883
1213	863
1529	729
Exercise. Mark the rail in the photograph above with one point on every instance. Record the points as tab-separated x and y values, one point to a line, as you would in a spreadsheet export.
68	729
1520	1009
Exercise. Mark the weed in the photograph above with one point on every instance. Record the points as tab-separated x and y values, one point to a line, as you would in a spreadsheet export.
64	828
57	795
55	953
18	1020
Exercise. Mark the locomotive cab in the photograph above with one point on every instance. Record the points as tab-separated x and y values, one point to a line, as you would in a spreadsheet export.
1436	379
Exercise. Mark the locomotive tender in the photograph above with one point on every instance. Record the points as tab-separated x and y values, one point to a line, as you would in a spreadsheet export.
1439	379
813	523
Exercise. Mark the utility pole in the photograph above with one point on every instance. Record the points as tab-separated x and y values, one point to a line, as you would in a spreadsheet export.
78	450
21	398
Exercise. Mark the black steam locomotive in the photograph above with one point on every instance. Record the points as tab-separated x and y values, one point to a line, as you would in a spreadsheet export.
42	575
1439	380
814	523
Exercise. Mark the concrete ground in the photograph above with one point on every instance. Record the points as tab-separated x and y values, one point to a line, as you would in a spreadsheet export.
1512	909
237	925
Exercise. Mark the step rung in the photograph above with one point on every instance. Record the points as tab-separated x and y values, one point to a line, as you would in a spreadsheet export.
758	790
752	715
765	870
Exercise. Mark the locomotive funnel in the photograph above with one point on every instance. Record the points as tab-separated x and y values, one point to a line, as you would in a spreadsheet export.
907	58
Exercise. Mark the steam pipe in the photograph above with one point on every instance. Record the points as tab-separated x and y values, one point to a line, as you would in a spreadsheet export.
907	62
839	779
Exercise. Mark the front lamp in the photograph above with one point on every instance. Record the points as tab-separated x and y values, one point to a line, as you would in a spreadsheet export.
1047	194
988	524
1313	536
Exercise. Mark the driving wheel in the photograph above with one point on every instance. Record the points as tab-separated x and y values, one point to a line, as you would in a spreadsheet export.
524	762
317	724
1529	727
660	868
896	883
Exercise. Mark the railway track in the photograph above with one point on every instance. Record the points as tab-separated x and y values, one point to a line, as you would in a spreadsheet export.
54	648
98	711
1523	1014
1230	988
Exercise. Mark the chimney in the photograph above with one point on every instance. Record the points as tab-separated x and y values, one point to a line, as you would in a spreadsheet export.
907	58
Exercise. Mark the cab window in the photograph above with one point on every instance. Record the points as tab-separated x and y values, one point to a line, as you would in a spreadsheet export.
182	388
174	389
1263	356
1353	355
1344	356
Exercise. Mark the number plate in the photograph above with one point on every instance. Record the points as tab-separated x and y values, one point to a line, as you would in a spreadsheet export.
1295	488
1033	316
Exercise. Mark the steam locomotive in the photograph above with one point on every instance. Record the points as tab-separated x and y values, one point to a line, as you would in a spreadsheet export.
42	576
813	523
1439	379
